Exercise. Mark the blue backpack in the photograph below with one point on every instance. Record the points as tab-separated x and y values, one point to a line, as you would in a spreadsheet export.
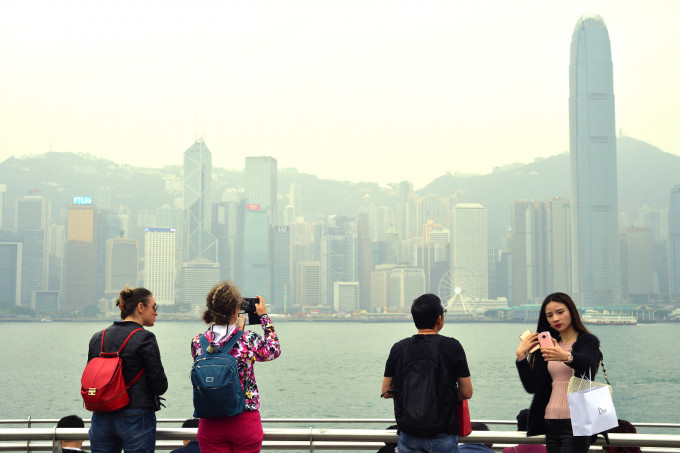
214	376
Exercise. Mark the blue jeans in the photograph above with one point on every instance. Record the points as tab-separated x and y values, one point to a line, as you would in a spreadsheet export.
441	443
132	430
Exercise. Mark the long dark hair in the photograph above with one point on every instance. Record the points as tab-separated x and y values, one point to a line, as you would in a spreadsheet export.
564	299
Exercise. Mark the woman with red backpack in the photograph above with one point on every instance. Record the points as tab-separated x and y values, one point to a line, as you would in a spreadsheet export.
133	426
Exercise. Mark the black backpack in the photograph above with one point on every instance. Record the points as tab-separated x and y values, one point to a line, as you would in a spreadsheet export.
424	399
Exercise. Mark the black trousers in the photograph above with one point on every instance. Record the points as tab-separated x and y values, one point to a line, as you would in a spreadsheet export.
559	438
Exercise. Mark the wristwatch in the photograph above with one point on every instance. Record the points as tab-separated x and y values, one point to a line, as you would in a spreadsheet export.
570	358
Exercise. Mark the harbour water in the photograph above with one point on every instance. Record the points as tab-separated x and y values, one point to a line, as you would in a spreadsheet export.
334	370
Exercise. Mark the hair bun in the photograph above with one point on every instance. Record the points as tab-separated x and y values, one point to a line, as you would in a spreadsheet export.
123	297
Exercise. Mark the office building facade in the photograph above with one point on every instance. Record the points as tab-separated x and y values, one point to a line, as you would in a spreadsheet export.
469	250
122	265
261	184
32	223
159	263
338	255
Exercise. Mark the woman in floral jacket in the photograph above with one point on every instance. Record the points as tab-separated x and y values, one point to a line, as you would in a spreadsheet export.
243	432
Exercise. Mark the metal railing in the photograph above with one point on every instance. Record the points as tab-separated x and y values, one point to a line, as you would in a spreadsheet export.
310	439
29	421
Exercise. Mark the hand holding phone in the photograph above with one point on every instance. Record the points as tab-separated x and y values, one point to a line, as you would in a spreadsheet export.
545	340
526	334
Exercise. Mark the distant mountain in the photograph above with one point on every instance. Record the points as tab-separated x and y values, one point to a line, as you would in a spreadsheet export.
645	177
645	173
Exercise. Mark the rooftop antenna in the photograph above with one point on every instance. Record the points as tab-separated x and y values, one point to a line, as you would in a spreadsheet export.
199	136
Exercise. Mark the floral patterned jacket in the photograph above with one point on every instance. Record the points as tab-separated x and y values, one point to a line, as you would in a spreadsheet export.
250	348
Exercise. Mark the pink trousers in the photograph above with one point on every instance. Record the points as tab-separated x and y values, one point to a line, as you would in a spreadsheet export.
239	434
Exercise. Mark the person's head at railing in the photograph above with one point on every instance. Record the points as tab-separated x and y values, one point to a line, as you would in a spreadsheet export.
190	423
624	427
71	421
479	426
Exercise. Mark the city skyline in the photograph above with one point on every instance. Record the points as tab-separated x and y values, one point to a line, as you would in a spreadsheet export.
348	91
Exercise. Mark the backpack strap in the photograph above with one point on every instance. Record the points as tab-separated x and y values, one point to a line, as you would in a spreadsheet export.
114	354
117	354
135	379
225	348
232	341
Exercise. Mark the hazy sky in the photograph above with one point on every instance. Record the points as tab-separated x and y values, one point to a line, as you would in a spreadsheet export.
369	90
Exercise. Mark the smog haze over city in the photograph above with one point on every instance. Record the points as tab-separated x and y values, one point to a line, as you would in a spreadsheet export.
340	158
359	91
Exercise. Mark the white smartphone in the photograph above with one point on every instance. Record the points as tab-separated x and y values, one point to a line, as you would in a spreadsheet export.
545	340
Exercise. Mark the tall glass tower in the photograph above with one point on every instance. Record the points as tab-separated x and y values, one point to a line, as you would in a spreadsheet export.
674	240
199	243
592	145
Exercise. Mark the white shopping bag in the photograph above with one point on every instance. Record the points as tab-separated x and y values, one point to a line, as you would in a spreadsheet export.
592	411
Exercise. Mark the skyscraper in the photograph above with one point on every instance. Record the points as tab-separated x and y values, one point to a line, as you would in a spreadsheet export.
11	253
406	285
674	240
227	227
159	264
260	184
32	223
637	271
364	261
199	243
282	285
592	145
122	256
338	255
540	245
469	250
257	253
346	297
307	293
407	211
3	198
80	260
295	199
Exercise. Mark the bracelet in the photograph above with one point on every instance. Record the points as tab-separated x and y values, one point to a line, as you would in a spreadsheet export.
382	395
570	358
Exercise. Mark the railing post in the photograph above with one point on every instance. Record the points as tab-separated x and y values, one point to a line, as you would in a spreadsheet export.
311	440
28	442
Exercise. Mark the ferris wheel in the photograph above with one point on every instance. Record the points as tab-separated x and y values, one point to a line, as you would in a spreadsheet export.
452	293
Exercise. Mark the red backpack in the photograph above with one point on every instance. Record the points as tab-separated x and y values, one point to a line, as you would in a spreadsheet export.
102	385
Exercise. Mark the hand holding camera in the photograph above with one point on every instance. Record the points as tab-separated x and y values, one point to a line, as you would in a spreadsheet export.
255	308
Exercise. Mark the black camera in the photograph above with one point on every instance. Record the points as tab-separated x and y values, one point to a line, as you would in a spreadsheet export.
248	306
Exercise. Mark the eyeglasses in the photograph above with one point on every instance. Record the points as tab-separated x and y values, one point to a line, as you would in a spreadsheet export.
443	311
154	307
